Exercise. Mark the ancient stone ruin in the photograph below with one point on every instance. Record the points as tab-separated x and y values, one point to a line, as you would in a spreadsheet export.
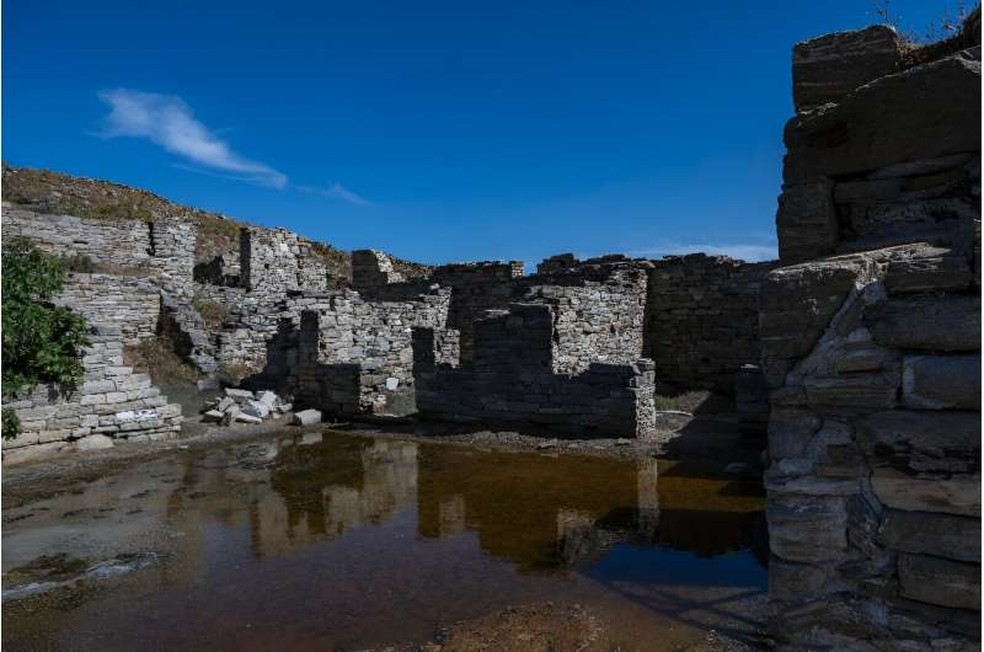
871	350
859	348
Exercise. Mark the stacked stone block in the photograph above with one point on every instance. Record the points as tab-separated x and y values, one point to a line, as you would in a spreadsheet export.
124	243
131	302
113	402
873	363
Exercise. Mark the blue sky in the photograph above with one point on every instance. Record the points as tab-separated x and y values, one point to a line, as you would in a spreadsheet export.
437	131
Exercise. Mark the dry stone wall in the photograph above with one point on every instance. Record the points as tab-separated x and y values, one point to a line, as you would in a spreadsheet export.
113	242
132	302
511	380
702	322
113	403
872	358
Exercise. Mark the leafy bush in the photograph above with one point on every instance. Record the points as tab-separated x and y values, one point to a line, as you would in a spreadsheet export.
42	342
11	425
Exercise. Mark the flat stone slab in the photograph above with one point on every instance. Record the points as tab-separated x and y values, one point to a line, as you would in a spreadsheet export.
307	417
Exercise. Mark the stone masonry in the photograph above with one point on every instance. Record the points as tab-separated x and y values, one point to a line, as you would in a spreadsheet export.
113	403
871	350
512	382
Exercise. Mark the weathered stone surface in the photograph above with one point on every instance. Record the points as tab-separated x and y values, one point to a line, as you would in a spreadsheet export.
960	495
940	581
827	68
922	441
94	442
307	417
242	417
806	528
940	382
797	304
951	323
862	132
935	269
806	221
942	535
239	394
869	390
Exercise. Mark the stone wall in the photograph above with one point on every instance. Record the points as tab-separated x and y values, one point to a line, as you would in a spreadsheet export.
113	403
873	357
599	314
702	321
511	382
123	243
275	261
131	302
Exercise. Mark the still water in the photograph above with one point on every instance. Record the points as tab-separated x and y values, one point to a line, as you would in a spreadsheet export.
337	542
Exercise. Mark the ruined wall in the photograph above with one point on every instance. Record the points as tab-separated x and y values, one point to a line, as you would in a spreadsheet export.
702	321
599	314
131	302
510	381
275	261
112	402
172	242
873	357
114	242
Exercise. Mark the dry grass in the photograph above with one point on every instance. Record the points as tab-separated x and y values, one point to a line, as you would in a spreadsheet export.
155	356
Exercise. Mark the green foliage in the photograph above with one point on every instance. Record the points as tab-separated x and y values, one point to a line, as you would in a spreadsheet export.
80	263
42	342
11	426
665	403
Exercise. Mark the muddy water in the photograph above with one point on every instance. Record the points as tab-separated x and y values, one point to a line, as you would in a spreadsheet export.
336	542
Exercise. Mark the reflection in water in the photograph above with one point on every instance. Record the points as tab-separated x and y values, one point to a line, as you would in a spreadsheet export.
349	527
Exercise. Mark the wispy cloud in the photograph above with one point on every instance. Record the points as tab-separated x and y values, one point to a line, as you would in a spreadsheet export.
167	121
337	191
741	250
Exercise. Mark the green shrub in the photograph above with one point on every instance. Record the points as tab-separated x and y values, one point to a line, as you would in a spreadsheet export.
42	342
11	425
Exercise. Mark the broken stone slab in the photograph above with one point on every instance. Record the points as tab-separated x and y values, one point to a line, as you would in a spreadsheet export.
940	382
256	409
94	442
284	408
242	417
267	398
307	417
224	404
208	384
940	581
213	415
950	323
239	395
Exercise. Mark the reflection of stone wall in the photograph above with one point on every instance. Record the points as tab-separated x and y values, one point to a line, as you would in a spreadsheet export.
873	357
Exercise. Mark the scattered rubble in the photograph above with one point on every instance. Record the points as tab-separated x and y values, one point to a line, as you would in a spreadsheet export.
245	406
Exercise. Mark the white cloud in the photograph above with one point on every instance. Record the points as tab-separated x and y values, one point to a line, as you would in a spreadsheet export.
167	121
338	191
751	252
